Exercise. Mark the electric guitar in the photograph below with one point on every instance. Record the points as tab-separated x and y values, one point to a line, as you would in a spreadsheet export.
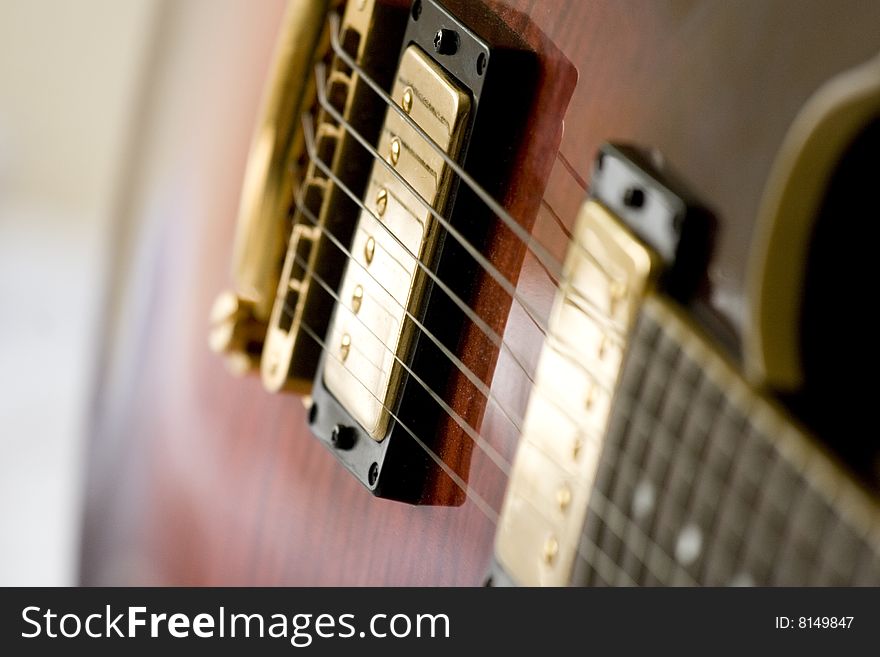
557	293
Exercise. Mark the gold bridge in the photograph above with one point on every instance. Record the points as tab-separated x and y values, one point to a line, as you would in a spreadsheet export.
607	272
276	251
383	282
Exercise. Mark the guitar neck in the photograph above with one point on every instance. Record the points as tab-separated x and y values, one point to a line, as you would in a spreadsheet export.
703	481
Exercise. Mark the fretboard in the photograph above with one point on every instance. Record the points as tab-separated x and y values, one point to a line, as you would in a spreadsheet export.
703	482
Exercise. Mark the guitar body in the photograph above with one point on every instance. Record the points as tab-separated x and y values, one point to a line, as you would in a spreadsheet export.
197	477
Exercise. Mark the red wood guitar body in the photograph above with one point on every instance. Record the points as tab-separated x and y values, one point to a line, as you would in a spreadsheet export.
197	477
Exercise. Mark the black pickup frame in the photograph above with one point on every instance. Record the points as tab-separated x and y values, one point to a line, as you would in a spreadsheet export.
498	70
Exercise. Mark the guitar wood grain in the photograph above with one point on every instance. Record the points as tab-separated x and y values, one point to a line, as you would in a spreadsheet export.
198	478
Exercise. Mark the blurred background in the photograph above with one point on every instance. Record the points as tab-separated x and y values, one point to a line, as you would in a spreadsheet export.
97	101
70	73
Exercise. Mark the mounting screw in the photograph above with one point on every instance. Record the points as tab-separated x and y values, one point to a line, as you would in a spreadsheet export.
343	437
634	197
481	63
373	475
446	42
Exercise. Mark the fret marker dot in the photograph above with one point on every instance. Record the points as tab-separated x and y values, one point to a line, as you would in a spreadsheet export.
395	150
357	296
369	249
688	545
644	499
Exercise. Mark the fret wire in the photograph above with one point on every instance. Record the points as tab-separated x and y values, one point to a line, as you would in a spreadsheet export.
619	517
617	454
629	402
485	263
791	531
678	449
719	484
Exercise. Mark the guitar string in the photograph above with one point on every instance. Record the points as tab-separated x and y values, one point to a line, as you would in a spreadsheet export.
558	220
589	311
717	481
503	281
548	262
597	497
469	492
329	172
496	339
561	225
491	269
490	333
541	255
545	259
595	314
539	252
537	249
309	271
502	463
305	265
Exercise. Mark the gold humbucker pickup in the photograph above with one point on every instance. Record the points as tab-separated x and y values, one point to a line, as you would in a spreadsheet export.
639	234
606	274
370	334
